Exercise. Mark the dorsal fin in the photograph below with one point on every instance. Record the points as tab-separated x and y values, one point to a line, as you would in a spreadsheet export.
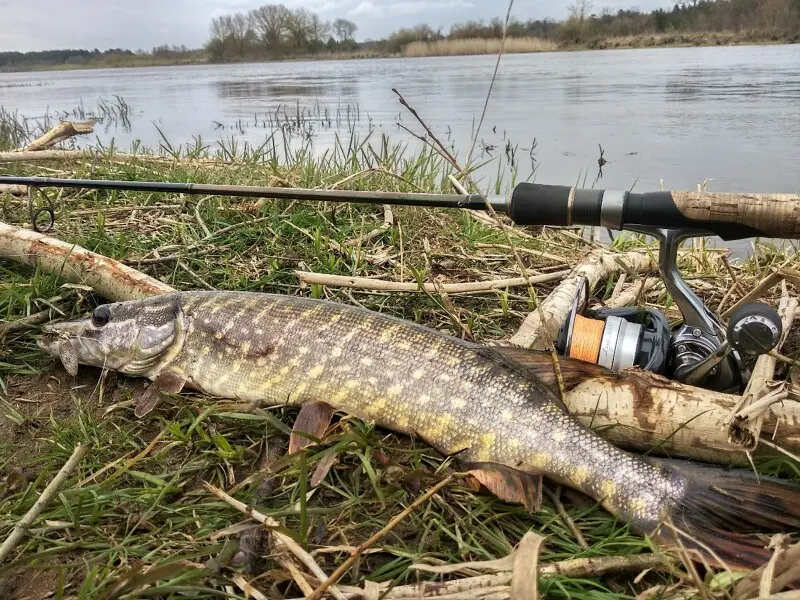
539	366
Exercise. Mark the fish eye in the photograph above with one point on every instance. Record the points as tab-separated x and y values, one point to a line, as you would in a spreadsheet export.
101	316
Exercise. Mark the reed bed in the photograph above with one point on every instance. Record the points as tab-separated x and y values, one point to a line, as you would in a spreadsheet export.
479	46
134	520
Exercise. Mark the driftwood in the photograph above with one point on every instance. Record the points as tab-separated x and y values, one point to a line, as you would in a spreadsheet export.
555	308
41	155
110	278
636	411
63	131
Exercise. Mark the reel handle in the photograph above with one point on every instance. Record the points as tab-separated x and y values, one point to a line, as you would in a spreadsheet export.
729	216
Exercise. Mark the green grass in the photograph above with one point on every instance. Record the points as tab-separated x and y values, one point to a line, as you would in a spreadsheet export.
125	509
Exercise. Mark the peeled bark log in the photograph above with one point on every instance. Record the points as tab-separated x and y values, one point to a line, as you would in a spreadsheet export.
555	308
639	410
109	278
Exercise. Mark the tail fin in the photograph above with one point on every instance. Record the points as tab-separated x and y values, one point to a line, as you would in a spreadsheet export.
722	510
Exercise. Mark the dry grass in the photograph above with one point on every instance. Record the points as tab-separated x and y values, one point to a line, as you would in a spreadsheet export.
686	39
479	46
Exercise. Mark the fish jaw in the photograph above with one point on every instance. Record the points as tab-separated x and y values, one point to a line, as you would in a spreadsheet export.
133	338
61	340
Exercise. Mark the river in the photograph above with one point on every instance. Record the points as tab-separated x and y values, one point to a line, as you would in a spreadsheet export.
670	116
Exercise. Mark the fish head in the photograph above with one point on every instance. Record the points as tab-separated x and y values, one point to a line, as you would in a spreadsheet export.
129	337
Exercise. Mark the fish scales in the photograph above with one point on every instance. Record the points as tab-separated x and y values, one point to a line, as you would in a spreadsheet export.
287	350
461	398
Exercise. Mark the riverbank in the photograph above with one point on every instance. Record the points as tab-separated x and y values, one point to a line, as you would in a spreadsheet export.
463	47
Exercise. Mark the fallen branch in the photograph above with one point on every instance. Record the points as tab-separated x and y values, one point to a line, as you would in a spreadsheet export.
785	571
631	295
641	411
382	285
63	131
555	308
42	155
746	423
16	535
282	540
109	278
14	190
500	575
354	556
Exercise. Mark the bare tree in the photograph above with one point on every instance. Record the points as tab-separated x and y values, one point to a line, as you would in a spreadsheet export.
344	29
299	28
231	37
319	30
270	23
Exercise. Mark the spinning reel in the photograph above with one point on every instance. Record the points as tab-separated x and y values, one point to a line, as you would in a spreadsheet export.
700	351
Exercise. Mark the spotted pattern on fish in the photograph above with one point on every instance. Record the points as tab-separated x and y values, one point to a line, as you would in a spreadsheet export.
453	394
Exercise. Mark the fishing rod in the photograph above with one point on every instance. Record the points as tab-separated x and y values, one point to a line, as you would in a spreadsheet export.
700	351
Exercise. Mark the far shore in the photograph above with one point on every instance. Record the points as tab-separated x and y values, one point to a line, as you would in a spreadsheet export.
462	47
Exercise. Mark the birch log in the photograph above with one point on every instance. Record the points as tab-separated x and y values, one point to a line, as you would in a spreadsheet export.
555	308
110	278
640	410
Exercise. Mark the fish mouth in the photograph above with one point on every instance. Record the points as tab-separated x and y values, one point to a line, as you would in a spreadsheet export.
60	340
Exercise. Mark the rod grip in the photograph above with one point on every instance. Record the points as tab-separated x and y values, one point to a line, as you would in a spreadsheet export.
771	215
727	215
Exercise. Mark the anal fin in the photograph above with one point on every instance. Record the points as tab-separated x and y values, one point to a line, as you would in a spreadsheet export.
310	425
509	484
166	383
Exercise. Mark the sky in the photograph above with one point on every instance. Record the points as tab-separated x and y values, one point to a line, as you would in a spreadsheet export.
45	24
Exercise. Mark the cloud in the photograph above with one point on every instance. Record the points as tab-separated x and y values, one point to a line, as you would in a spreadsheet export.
408	7
365	8
146	23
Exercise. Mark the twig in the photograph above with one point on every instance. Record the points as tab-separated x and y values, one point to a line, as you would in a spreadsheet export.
46	496
555	498
632	294
337	574
786	571
248	589
281	538
762	288
365	283
746	422
442	147
29	321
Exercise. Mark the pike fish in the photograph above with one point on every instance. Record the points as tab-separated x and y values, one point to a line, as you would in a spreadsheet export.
493	408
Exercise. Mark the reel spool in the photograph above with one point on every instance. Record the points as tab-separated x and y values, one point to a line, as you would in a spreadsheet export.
615	338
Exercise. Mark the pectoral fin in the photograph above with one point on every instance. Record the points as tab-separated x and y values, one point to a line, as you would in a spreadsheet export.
509	484
165	383
310	425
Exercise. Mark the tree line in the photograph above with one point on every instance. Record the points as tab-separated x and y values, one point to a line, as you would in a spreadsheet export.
274	31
